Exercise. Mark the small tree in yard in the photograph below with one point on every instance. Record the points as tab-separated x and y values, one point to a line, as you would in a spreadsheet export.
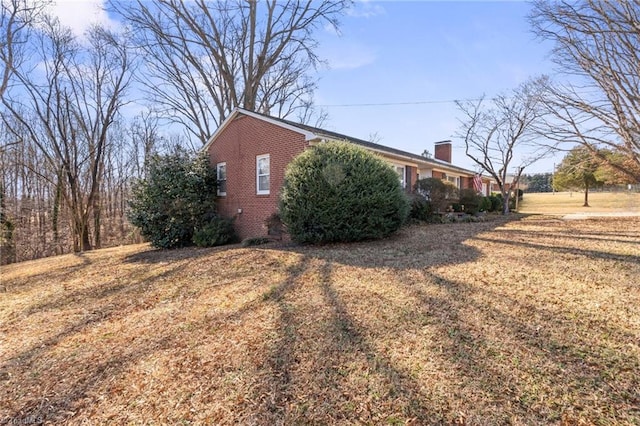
175	200
495	131
578	170
336	191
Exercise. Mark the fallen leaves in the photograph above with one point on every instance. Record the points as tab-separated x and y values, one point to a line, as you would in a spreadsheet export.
530	321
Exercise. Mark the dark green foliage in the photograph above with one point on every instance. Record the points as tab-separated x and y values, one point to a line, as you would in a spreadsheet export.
218	231
539	182
421	209
485	204
496	203
337	191
255	241
520	194
456	207
439	193
177	197
470	199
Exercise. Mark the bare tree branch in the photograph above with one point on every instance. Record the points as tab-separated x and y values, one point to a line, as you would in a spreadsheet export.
66	112
597	41
207	58
495	130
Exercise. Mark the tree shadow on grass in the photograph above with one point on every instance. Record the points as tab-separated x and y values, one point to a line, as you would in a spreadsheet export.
56	383
536	368
27	280
155	255
550	375
592	254
342	377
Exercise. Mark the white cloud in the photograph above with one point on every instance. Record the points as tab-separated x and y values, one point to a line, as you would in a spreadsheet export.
79	15
348	55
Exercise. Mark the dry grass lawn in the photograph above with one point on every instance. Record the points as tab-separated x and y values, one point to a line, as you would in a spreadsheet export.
529	321
572	202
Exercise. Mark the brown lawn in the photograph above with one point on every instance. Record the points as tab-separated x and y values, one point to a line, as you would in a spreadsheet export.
572	202
529	321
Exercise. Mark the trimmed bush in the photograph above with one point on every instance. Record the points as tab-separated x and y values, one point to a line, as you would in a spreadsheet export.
337	191
438	192
485	204
218	231
421	209
496	203
470	199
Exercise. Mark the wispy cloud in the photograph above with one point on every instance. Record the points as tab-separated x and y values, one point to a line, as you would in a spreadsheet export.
349	55
365	9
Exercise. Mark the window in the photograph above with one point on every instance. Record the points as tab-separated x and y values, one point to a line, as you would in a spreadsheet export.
262	174
454	180
222	178
401	176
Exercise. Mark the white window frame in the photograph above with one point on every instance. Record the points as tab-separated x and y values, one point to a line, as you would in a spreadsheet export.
403	176
258	175
219	166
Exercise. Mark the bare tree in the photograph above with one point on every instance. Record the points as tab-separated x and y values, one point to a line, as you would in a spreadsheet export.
597	42
16	18
207	58
495	131
66	108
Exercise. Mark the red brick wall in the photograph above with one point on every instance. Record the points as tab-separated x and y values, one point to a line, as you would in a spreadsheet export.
443	151
412	177
466	182
437	175
238	145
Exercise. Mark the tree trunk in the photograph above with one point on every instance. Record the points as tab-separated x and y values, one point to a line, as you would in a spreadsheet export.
505	202
586	195
56	216
96	220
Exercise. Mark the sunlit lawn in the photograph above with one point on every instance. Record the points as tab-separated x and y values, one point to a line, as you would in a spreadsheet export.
533	321
572	202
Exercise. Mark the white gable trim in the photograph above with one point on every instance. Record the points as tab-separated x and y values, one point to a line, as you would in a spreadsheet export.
307	135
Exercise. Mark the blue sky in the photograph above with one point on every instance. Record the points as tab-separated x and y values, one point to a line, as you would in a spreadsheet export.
424	51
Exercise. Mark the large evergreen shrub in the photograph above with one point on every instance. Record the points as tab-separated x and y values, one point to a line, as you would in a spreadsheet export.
337	191
176	198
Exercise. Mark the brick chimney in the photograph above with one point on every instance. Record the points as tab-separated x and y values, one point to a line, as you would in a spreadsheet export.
443	151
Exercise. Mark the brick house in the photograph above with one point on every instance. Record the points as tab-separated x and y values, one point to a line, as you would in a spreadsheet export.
251	152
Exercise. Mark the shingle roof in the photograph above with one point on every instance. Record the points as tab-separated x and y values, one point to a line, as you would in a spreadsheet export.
331	135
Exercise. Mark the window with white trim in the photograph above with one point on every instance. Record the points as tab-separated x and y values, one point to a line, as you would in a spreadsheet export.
263	167
401	174
221	169
454	180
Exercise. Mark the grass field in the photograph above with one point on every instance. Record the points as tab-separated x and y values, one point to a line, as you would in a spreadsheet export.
530	321
572	202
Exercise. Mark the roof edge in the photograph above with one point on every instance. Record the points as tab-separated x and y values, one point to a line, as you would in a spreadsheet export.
307	134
